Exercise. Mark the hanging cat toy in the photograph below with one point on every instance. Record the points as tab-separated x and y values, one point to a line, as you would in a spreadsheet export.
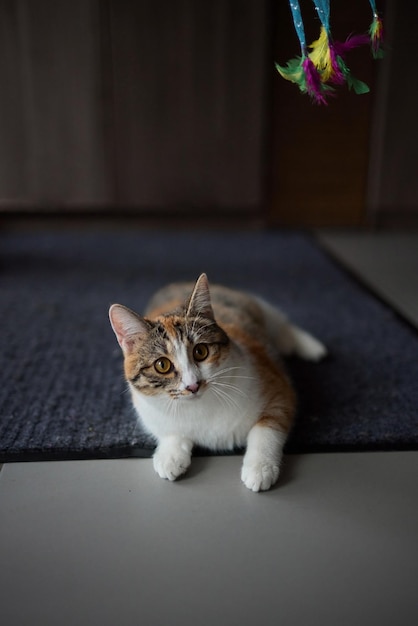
321	66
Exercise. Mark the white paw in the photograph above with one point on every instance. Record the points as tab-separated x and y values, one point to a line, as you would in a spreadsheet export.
171	464
259	476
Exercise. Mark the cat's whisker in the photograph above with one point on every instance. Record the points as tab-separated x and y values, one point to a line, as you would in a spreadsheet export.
224	398
175	408
226	370
172	408
239	376
225	382
230	387
221	374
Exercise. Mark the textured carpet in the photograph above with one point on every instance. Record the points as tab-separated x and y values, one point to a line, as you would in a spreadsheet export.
62	394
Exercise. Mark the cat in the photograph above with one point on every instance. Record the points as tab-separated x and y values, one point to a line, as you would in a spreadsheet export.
203	368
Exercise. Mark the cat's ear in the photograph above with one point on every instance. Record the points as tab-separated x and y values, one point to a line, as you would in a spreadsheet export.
127	325
199	302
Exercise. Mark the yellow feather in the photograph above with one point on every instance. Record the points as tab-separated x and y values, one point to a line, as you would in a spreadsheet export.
320	56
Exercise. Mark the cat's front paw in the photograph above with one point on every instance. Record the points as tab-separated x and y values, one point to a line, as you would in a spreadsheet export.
259	476
171	464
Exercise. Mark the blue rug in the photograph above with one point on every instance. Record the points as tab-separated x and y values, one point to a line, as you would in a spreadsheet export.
62	393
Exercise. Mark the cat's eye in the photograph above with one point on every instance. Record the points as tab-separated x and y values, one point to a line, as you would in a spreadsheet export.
163	365
200	352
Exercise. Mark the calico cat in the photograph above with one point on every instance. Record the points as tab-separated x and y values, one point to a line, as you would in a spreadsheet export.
203	368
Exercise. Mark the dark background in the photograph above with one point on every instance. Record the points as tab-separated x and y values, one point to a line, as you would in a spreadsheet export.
173	110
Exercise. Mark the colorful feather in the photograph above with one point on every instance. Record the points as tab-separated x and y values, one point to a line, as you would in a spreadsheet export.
322	64
358	86
340	50
314	85
320	55
293	71
301	70
353	41
304	74
376	36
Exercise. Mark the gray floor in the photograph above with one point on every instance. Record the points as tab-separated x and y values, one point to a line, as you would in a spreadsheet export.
388	262
108	542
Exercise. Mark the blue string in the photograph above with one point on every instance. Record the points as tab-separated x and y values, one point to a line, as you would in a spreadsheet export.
322	8
298	22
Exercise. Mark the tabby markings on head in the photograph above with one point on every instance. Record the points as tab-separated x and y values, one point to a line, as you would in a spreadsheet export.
176	355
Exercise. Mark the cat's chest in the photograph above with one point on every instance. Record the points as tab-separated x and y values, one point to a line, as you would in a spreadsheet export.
213	419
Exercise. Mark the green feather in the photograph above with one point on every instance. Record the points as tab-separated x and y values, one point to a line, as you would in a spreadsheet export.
293	71
358	86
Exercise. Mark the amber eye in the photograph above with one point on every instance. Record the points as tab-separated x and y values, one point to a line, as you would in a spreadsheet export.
200	352
163	365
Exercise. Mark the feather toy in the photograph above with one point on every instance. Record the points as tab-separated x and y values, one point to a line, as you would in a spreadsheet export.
321	65
376	32
329	56
301	70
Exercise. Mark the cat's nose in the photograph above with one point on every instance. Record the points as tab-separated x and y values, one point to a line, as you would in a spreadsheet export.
194	388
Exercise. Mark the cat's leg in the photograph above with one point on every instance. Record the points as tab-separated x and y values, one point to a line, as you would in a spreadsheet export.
172	456
261	464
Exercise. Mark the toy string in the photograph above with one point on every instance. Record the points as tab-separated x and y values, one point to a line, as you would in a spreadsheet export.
322	64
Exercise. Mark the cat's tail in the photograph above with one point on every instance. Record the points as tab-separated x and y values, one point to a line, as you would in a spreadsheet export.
288	338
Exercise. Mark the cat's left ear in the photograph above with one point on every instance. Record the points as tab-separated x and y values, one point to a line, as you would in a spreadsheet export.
199	302
127	325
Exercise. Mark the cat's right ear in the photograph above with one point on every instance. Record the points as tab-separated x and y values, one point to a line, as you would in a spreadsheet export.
126	325
199	302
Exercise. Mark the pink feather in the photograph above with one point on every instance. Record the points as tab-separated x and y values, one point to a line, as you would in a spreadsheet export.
337	77
313	81
343	48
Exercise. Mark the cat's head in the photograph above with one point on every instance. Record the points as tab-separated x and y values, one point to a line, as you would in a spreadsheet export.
176	353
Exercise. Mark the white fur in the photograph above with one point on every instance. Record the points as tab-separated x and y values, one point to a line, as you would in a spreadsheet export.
173	456
218	417
221	416
188	369
261	466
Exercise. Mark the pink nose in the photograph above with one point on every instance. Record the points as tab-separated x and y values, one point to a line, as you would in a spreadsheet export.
194	388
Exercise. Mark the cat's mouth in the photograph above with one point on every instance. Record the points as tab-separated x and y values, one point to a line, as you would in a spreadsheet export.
191	391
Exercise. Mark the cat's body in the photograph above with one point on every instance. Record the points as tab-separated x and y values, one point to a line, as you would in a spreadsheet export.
203	369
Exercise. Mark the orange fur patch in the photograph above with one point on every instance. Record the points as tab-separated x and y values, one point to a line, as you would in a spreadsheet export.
280	398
